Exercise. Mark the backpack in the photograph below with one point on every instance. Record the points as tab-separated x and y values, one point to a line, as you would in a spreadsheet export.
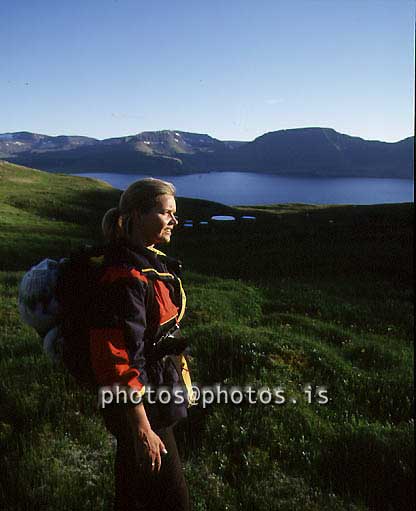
56	298
37	302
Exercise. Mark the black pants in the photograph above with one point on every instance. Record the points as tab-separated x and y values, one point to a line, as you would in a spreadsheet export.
136	486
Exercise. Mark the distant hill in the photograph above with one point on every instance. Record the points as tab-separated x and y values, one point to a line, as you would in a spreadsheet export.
303	151
321	152
24	142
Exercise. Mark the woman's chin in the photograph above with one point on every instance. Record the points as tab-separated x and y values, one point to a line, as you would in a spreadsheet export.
165	238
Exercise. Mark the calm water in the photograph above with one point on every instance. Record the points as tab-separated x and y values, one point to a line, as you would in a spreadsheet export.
249	188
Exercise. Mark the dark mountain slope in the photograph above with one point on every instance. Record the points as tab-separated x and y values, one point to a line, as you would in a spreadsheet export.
304	151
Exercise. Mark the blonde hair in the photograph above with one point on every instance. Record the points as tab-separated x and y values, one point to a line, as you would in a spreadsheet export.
140	196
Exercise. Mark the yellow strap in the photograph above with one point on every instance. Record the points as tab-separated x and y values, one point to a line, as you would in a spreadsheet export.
187	380
156	251
152	270
183	301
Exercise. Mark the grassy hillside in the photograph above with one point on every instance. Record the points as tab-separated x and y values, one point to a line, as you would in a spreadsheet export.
39	209
304	295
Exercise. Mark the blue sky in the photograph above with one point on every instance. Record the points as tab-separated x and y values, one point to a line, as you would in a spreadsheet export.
234	69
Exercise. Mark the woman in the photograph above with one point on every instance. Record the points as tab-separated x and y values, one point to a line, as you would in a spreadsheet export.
140	299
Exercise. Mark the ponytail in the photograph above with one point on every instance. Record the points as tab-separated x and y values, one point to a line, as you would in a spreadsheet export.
112	225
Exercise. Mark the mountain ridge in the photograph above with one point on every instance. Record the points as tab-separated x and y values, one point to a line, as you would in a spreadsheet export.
311	151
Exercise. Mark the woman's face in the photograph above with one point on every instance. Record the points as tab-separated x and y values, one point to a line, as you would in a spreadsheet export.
155	226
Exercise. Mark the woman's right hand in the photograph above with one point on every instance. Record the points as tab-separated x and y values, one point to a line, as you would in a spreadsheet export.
147	445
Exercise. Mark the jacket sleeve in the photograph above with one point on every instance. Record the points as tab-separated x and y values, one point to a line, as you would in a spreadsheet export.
117	338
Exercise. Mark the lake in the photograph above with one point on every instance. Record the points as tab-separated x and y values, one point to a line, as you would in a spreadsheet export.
245	188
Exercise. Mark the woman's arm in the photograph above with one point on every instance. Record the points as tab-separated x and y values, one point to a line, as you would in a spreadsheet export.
146	442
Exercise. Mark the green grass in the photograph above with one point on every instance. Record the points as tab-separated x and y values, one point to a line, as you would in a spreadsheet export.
305	295
39	209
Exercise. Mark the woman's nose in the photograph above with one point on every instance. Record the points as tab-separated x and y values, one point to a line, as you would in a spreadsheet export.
173	219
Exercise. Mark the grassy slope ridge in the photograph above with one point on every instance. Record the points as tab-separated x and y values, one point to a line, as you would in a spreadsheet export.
318	295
